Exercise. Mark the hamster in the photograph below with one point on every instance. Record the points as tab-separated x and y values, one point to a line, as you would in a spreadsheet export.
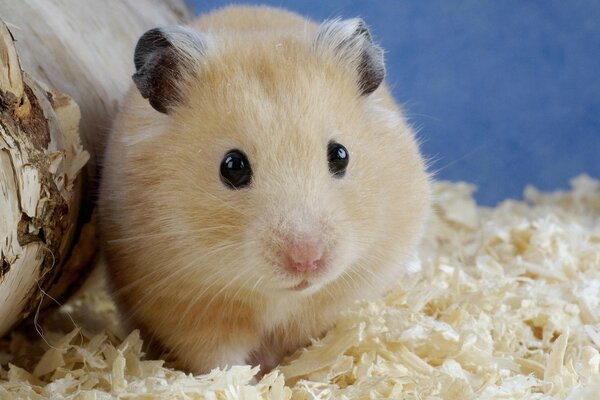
258	180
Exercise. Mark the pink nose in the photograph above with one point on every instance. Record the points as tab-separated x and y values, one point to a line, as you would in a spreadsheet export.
304	255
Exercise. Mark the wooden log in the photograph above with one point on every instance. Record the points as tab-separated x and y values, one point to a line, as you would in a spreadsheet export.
41	158
83	48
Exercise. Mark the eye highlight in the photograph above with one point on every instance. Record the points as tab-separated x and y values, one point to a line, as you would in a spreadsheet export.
338	158
235	170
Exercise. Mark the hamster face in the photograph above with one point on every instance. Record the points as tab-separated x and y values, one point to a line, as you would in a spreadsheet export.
270	172
282	111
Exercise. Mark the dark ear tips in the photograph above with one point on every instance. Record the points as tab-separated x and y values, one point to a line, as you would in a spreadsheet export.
161	57
361	29
147	43
154	60
351	42
371	68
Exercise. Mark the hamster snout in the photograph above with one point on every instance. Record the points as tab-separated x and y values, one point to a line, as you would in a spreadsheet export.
297	247
304	255
258	180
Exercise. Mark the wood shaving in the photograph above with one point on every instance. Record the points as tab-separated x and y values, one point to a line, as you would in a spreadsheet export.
505	307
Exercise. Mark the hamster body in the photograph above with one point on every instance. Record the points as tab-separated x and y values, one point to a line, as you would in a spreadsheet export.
258	180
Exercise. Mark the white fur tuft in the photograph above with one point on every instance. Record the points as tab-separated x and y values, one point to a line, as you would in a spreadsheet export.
338	37
190	43
349	42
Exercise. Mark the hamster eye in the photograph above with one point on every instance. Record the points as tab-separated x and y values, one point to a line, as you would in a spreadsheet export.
338	158
235	170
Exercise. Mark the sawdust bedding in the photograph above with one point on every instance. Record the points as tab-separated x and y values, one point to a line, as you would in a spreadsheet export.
506	306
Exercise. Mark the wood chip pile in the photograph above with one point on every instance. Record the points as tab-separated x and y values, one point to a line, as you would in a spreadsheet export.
506	306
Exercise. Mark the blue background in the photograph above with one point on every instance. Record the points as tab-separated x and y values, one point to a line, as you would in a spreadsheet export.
503	93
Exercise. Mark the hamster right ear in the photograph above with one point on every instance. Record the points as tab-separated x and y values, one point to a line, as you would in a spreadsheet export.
350	42
164	57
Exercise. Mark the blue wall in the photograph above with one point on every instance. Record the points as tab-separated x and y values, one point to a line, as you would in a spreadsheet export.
504	93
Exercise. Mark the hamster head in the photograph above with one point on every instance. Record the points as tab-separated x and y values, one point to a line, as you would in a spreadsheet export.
278	162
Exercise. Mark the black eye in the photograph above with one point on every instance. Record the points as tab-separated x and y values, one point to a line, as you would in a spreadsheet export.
235	170
338	158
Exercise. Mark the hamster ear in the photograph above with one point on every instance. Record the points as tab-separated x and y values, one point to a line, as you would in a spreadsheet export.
164	57
349	40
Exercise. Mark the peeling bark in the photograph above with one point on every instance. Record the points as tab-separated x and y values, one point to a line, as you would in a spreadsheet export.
41	158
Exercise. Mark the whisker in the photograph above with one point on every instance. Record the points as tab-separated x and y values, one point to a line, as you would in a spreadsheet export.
483	145
221	202
212	283
169	269
166	234
170	278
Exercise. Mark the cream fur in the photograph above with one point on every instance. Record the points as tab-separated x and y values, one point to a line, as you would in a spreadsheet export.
195	264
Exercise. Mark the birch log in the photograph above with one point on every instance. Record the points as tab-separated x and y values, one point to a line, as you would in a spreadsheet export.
41	158
83	48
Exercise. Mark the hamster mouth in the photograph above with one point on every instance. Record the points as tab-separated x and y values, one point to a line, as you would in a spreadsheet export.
301	286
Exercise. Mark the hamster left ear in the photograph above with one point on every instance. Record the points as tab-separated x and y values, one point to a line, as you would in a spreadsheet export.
164	57
350	42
